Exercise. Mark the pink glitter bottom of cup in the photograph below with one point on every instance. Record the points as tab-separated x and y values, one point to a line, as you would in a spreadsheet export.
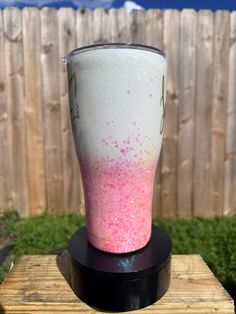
118	202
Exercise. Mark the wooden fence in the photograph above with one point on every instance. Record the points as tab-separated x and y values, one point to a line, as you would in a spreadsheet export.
197	170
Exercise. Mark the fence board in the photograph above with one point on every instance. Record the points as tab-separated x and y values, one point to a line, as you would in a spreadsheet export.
169	149
202	111
52	114
154	37
71	173
154	28
230	154
3	121
34	111
219	102
118	25
15	102
187	59
100	26
84	27
136	26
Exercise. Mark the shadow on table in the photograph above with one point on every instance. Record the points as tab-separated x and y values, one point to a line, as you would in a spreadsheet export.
63	264
2	311
4	251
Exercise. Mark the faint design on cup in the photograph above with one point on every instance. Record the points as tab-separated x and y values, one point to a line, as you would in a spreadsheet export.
162	103
74	108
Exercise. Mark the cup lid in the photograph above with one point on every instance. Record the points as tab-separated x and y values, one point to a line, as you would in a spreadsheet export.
76	51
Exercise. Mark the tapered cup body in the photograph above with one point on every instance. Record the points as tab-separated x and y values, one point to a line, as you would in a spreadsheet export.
117	95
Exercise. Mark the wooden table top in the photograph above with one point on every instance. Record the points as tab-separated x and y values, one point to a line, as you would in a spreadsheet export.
40	284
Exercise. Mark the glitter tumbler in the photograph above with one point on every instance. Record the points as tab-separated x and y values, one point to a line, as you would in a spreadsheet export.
117	97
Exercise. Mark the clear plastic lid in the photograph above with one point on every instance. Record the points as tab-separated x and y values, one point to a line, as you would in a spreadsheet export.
74	52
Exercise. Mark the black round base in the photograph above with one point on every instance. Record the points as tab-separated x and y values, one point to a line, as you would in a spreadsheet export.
120	282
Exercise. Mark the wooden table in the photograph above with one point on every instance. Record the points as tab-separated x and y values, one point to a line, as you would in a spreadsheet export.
40	284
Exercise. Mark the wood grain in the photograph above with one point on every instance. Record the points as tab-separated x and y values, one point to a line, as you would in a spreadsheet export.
52	111
118	25
17	156
154	28
136	26
187	80
100	29
203	113
34	112
219	108
230	148
84	23
170	137
40	284
3	123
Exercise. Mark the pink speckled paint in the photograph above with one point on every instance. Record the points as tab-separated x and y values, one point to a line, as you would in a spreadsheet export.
117	110
118	198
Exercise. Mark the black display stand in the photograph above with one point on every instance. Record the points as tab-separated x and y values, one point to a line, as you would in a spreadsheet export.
120	282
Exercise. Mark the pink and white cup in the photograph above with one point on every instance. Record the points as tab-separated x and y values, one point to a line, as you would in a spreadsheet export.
116	94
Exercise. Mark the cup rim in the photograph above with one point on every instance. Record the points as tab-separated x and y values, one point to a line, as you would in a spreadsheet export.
113	45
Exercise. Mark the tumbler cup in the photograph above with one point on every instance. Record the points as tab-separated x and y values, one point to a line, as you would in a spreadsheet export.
117	97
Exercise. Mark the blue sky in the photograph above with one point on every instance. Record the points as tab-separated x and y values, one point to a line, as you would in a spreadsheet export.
162	4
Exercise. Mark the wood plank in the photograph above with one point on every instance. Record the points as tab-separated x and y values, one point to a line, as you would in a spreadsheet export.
154	37
154	28
230	149
3	123
41	284
84	22
169	149
118	25
219	108
52	114
136	26
34	111
100	26
203	113
71	172
14	63
187	79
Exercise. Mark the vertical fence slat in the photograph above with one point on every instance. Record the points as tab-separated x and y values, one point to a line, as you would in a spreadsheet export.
34	111
187	59
52	114
218	118
118	25
71	173
84	27
154	28
169	149
15	103
136	26
154	37
230	156
3	122
202	112
100	26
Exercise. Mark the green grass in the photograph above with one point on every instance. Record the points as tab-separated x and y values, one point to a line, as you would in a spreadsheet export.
213	238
